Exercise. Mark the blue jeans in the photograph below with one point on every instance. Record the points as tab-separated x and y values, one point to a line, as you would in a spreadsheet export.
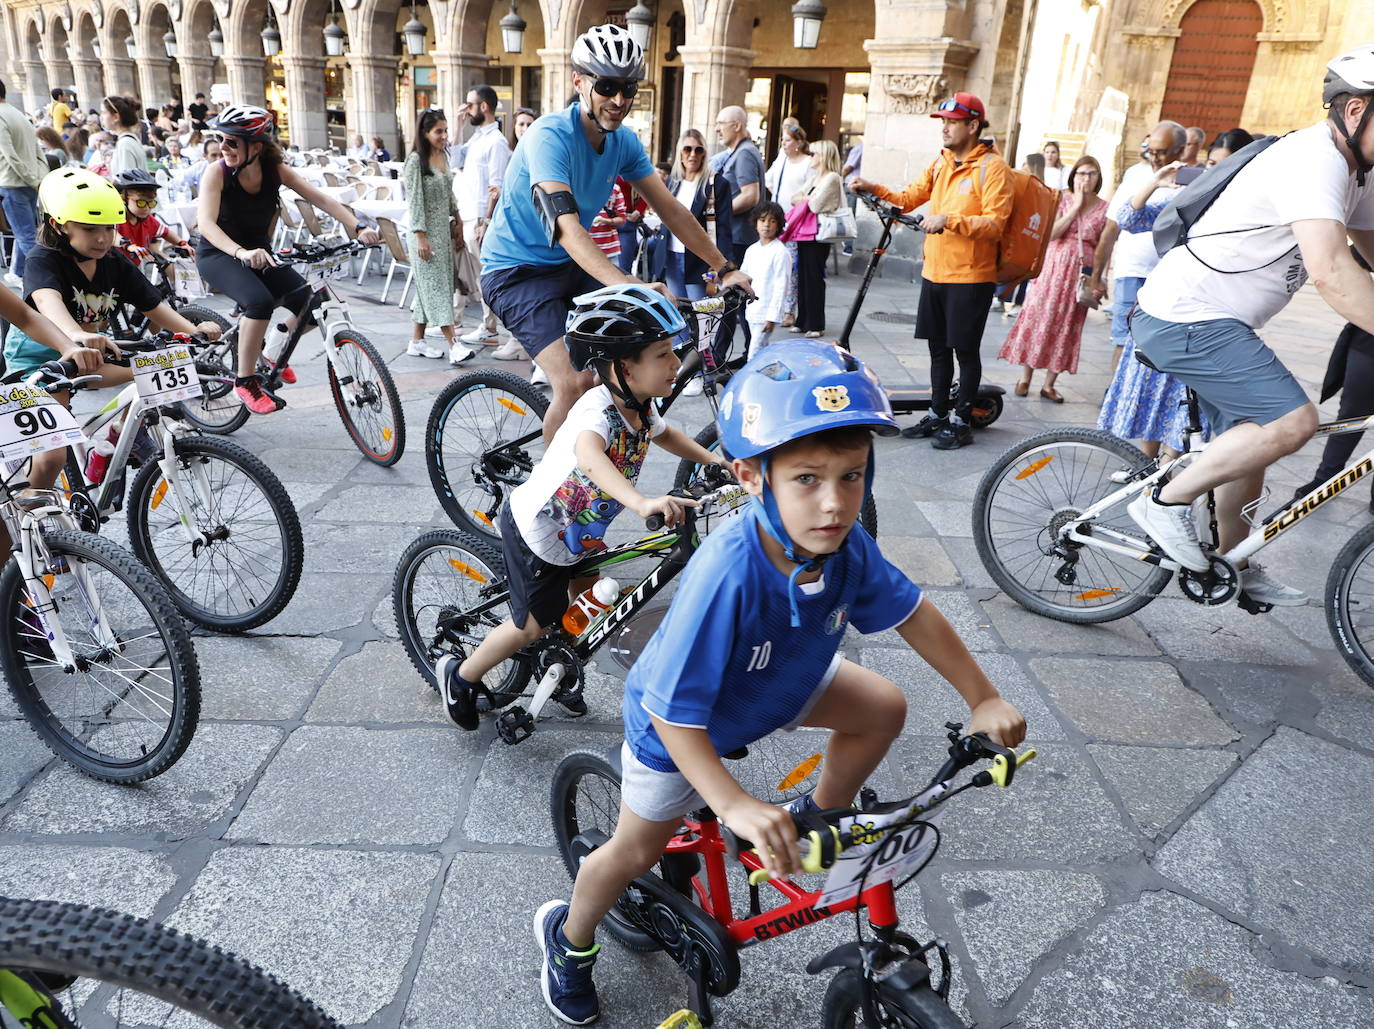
21	211
675	275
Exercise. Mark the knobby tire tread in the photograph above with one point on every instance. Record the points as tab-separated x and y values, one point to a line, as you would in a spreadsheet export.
1339	618
918	1008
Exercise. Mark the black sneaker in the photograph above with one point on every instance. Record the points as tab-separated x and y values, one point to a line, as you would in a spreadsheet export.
567	973
927	426
952	436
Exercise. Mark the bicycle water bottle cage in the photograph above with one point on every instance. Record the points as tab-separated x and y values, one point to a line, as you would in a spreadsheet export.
514	725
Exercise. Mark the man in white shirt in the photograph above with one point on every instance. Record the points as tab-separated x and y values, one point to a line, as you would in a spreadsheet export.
1056	175
1290	213
1135	255
478	186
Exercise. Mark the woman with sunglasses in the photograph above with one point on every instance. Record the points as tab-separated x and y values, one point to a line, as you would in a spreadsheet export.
707	195
237	205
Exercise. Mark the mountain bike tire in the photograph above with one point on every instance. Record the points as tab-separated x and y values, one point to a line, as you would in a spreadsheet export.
919	1008
469	567
134	954
1350	593
1043	481
372	412
266	583
585	798
472	417
174	650
688	471
218	410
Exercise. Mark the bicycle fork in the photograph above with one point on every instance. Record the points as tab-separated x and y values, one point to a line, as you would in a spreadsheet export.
38	587
173	481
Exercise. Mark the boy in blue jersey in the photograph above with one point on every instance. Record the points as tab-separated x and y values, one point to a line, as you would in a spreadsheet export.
537	253
751	644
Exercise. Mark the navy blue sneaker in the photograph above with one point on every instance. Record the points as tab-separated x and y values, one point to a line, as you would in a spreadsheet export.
567	974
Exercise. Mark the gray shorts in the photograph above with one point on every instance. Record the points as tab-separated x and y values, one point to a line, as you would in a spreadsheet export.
662	796
1236	376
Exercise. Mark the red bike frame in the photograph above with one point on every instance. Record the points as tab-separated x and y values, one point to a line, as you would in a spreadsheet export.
704	839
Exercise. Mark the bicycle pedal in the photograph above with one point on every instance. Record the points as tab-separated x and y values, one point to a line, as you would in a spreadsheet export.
514	725
1249	604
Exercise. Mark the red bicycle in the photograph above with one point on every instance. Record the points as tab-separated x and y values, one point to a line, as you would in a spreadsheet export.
870	852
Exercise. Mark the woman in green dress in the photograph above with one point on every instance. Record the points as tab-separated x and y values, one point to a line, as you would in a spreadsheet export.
429	193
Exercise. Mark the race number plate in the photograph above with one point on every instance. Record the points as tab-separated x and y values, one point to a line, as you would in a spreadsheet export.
899	853
166	376
31	422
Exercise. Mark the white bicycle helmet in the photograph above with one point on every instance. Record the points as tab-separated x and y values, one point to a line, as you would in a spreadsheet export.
1351	73
608	51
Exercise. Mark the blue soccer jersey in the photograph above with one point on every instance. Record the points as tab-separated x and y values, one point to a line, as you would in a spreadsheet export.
726	657
555	149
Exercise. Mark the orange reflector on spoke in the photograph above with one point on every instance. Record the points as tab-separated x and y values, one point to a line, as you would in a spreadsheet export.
801	773
387	434
483	518
158	494
1098	594
49	579
511	405
467	569
1030	470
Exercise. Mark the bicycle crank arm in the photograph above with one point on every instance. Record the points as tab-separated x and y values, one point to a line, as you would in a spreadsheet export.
547	687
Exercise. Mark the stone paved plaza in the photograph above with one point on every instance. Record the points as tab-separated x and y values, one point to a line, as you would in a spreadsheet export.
1189	850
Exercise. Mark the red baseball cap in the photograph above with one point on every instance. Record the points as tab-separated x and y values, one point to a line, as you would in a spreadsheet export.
961	106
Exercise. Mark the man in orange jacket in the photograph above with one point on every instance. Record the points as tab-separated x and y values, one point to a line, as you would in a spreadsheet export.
970	192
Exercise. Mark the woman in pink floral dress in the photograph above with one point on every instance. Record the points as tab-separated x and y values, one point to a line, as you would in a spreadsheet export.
1050	326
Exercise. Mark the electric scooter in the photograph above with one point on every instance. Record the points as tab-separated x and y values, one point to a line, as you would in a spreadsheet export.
987	407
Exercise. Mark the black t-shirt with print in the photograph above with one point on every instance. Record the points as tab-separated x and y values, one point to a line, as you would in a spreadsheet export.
90	301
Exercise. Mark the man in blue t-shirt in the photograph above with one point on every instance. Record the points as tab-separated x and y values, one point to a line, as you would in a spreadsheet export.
537	253
751	644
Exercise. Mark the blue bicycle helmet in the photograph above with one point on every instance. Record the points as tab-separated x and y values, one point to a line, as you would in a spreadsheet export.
616	322
788	391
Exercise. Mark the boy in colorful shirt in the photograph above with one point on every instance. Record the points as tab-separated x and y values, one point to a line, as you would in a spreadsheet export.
751	645
586	477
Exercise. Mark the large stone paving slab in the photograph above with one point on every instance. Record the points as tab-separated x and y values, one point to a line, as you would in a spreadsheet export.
378	684
1283	844
194	793
390	504
1130	702
1166	961
1158	784
337	925
1190	632
326	602
1024	630
112	877
234	687
337	784
922	558
335	547
22	755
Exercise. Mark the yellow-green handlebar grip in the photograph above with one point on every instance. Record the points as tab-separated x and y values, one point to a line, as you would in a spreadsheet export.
813	856
1002	771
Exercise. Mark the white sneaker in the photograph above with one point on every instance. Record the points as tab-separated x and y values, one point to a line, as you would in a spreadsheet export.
1255	581
458	354
511	350
1121	476
693	388
419	348
1172	527
538	378
13	281
479	335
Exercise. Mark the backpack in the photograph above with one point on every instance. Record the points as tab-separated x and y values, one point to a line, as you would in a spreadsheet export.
1192	201
1026	236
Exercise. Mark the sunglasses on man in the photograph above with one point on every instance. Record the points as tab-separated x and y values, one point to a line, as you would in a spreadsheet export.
954	105
610	87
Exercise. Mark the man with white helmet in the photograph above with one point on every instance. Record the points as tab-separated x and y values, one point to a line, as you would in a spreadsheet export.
537	253
1288	215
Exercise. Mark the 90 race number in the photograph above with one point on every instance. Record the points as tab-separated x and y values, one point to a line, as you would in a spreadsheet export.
31	422
36	420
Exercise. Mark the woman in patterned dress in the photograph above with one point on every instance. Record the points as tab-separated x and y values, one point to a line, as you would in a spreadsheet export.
429	192
1049	329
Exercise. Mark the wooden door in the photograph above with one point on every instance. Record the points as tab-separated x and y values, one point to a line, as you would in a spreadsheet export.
1213	59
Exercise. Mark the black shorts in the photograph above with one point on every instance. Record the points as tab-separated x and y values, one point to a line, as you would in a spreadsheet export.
536	587
954	313
533	301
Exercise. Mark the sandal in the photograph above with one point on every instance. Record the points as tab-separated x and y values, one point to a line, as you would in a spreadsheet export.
1021	388
1050	393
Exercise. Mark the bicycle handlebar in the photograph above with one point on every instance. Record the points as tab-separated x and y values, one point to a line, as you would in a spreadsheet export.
713	488
889	212
732	299
313	253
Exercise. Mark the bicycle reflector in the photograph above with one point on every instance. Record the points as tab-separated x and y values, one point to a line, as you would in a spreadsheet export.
800	774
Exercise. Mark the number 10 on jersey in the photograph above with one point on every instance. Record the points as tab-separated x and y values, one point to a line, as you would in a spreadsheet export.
166	376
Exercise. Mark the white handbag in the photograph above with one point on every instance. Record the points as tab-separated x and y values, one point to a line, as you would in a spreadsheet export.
838	227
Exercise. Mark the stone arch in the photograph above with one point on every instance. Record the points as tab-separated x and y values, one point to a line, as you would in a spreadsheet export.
159	77
55	54
86	66
1169	15
197	21
302	29
118	28
466	26
243	28
372	28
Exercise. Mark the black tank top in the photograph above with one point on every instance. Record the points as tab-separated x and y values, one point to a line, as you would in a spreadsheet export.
247	217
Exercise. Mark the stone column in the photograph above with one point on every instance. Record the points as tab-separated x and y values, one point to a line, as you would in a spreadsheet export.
119	76
89	87
35	84
374	98
155	80
305	100
247	78
458	71
197	74
713	76
558	84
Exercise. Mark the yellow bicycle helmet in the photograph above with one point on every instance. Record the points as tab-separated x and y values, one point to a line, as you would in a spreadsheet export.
77	195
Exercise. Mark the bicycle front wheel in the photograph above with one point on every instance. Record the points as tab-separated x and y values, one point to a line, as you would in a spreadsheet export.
485	434
1350	603
242	567
218	409
919	1008
441	579
1029	494
151	975
128	709
365	394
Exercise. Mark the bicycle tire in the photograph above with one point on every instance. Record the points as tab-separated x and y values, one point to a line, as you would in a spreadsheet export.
150	757
1033	585
132	953
147	494
688	470
1344	600
464	427
563	803
381	440
478	561
218	410
918	1008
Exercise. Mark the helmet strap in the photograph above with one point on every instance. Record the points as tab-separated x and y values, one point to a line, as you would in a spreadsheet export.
1352	139
621	389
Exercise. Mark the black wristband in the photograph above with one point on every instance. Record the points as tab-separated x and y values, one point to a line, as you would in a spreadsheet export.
726	269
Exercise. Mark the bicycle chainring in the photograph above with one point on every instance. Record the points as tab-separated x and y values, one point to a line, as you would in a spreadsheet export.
1218	585
84	511
549	651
